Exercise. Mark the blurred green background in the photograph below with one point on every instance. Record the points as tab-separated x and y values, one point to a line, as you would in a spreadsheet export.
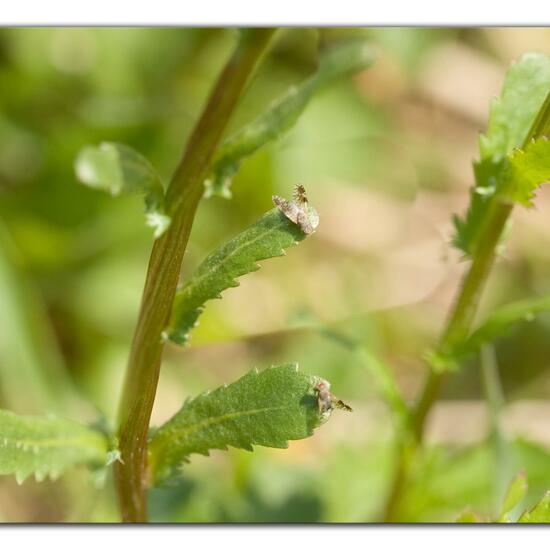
386	159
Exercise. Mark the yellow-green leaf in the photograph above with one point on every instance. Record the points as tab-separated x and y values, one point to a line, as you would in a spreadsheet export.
540	513
527	170
514	495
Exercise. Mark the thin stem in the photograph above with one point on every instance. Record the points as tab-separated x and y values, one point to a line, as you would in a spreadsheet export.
494	398
462	317
377	369
492	388
541	125
458	327
183	195
463	314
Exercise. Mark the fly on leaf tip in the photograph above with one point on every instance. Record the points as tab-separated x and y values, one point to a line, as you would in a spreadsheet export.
296	210
326	401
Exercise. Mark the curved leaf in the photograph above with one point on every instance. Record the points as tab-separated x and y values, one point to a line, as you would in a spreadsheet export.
499	321
46	446
338	62
262	408
117	168
266	238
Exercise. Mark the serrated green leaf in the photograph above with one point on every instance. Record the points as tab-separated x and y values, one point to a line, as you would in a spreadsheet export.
527	170
267	238
525	88
540	513
338	62
46	446
514	495
499	321
117	168
487	174
266	408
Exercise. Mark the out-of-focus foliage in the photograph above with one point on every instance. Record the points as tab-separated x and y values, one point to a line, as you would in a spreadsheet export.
117	168
515	494
46	446
339	61
386	159
512	114
502	173
540	513
499	321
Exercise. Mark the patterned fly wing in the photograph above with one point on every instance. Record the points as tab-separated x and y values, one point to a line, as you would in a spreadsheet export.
288	208
296	210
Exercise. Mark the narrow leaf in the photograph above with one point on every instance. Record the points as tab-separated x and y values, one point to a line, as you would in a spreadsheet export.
515	494
338	62
523	94
46	446
498	322
29	354
266	408
117	168
540	513
266	238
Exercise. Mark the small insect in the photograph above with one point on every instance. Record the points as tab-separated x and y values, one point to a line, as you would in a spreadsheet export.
296	210
326	401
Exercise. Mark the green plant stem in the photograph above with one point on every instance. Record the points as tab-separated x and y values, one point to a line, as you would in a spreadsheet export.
458	328
492	388
183	196
461	319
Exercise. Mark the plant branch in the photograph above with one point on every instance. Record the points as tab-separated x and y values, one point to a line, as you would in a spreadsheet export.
458	328
462	316
183	196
